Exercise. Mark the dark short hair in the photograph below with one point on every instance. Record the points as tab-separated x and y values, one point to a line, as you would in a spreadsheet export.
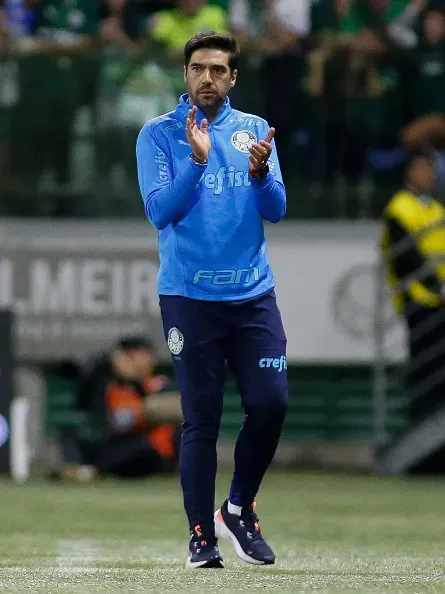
212	40
135	342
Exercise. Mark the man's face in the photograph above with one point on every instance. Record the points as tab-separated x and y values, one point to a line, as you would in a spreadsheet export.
208	77
421	174
434	26
143	361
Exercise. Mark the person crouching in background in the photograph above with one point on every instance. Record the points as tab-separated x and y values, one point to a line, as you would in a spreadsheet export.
143	415
131	417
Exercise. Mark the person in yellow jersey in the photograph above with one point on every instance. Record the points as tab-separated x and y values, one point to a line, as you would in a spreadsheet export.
171	29
413	243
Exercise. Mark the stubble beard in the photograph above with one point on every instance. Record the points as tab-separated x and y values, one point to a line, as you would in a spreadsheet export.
209	103
212	103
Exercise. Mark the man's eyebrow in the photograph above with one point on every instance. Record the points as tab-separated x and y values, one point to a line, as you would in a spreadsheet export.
212	65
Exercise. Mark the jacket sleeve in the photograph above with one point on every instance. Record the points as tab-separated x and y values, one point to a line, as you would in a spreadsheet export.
270	191
165	195
407	259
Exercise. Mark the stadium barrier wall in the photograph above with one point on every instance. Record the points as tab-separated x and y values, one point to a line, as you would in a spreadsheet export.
76	286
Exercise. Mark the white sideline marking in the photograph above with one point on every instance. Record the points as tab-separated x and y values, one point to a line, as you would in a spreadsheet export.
77	556
81	555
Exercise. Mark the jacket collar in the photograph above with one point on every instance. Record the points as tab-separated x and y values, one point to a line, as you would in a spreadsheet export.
184	106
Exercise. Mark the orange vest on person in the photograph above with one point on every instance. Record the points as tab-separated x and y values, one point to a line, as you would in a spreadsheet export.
121	395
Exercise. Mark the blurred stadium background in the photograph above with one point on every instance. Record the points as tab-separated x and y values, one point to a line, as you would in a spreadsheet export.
350	85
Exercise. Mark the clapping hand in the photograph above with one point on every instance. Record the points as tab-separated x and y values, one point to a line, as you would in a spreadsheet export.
198	138
260	152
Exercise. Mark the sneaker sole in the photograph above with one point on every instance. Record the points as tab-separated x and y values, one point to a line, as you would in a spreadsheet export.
222	531
210	564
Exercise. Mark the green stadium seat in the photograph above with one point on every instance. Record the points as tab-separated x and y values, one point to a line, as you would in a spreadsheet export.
61	408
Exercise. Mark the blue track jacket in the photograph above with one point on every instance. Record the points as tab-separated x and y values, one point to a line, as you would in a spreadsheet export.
210	217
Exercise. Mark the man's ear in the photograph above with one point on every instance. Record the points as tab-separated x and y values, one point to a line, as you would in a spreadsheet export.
185	73
234	77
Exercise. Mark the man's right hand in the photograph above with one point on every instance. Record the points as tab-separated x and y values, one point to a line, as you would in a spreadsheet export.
198	138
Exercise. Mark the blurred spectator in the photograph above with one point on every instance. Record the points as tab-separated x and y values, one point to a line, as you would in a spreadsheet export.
132	89
134	416
269	26
351	107
124	22
274	30
374	26
119	23
413	244
144	416
16	21
424	78
171	29
58	79
424	91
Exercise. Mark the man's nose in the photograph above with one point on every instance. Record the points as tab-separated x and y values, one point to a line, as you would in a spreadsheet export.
207	77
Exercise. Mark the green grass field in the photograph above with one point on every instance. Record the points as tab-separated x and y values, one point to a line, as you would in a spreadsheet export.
331	533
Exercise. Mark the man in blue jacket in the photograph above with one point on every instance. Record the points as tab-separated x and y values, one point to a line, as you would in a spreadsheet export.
209	176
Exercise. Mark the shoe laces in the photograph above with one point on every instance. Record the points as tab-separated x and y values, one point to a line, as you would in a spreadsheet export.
251	522
200	539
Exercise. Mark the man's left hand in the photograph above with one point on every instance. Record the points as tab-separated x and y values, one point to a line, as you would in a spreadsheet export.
260	152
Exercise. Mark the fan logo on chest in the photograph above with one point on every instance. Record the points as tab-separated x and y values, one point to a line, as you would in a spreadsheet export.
243	140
